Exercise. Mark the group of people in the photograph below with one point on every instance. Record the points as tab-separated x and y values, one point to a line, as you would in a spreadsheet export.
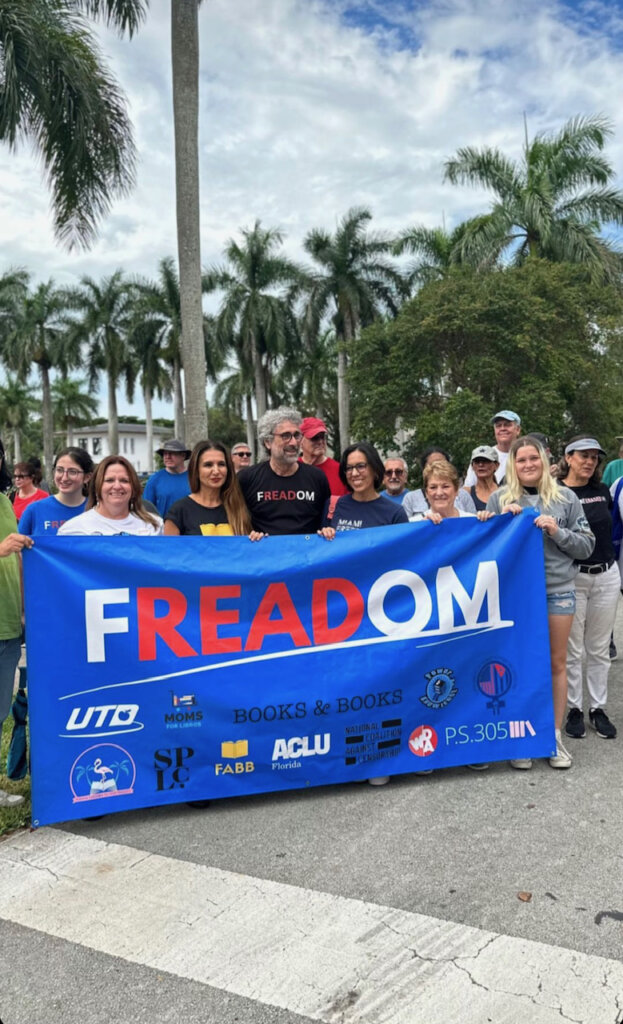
298	489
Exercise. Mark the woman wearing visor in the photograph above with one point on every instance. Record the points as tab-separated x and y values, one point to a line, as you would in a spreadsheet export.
596	591
485	464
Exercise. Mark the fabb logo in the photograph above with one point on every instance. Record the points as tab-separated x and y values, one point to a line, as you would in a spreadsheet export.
301	746
102	720
423	741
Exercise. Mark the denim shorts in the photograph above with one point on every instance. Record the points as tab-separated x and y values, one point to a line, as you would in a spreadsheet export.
561	604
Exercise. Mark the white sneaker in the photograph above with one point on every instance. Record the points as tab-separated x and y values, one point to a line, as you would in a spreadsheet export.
380	780
562	758
522	763
10	799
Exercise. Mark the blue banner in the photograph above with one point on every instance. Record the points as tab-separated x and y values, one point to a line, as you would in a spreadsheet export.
170	669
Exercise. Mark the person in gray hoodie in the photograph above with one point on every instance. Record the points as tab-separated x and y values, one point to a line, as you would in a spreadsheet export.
567	538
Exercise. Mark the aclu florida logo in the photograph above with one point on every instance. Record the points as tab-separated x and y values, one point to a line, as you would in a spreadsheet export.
98	720
102	771
440	688
234	758
286	752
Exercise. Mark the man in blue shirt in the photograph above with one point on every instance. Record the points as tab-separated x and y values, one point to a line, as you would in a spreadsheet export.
171	483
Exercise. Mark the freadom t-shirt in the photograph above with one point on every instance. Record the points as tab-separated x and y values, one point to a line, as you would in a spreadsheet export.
285	504
194	519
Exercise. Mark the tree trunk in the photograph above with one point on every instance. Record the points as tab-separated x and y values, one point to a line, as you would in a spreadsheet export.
17	444
113	421
149	428
178	402
259	377
47	421
250	425
185	69
70	432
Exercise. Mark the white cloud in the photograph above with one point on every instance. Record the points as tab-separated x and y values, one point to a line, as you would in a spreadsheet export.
305	112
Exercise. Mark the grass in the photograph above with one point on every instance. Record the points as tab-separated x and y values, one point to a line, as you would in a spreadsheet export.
12	818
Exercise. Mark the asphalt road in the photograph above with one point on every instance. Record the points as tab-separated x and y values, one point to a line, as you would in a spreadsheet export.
456	845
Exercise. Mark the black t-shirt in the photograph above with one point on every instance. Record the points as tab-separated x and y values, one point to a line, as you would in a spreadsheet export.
285	504
196	520
596	503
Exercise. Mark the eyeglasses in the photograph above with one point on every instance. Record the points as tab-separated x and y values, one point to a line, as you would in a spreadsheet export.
394	472
288	435
318	437
241	455
21	476
73	474
482	462
359	467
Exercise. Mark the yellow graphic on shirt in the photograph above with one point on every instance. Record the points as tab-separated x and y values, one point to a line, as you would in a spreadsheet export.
216	530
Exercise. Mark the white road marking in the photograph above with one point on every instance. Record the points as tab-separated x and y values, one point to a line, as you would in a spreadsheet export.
329	958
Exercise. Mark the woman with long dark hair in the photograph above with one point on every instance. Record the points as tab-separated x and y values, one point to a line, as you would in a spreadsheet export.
567	539
73	468
215	505
114	505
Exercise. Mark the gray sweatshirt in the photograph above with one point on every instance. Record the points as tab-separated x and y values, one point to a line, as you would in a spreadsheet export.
574	539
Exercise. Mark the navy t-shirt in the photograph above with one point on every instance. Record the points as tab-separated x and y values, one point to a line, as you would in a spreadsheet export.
359	515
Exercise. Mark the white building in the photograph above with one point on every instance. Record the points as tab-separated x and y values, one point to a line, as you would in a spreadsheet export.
132	442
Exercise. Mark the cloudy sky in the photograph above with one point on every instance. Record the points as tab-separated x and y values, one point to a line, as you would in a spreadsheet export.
309	107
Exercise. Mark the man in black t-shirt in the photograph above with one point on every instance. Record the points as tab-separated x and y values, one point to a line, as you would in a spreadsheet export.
283	495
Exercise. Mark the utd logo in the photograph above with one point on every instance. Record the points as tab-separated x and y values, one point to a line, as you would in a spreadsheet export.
423	741
440	688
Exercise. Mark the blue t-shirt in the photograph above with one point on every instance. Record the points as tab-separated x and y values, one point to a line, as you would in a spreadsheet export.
358	515
398	498
45	517
163	488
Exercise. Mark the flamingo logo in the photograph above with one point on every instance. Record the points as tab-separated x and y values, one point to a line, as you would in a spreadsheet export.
102	771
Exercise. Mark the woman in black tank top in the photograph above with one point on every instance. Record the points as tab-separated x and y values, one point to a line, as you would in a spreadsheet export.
484	462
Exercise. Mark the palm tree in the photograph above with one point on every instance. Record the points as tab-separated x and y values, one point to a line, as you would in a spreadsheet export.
185	70
553	203
73	404
356	283
103	327
437	250
16	407
234	390
56	91
40	336
257	316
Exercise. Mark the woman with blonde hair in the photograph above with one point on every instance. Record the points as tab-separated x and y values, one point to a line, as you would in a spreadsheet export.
114	505
441	487
215	506
567	538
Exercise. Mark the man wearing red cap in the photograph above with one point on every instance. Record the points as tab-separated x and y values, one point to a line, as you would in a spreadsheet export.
314	448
